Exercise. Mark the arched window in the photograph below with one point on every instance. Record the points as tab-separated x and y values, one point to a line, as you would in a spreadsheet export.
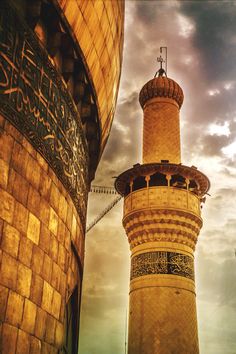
139	183
193	187
158	179
178	181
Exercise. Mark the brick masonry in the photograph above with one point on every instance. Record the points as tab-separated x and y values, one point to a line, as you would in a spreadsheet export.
39	270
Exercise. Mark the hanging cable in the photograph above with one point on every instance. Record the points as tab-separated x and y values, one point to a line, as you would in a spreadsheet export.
103	213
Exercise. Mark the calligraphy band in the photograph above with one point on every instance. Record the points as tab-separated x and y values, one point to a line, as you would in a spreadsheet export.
35	100
160	262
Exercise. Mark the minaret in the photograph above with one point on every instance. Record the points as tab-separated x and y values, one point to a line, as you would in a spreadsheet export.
162	219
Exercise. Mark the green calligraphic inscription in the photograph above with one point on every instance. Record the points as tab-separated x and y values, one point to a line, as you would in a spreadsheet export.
162	263
34	98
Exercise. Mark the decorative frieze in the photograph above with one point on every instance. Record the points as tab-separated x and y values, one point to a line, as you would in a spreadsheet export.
35	100
159	262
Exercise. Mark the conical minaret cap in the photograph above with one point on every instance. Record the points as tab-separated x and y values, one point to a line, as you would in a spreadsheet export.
161	87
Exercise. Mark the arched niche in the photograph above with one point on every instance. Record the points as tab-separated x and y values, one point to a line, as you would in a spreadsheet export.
178	181
139	183
158	179
193	187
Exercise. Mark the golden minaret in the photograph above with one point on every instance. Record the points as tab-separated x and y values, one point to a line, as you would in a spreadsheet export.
162	219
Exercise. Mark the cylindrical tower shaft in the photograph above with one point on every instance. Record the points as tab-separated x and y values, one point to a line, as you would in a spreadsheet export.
161	99
162	219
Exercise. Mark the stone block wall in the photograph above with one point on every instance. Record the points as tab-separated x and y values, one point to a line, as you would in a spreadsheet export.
41	248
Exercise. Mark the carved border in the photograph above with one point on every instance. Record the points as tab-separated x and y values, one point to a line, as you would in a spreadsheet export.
160	262
36	101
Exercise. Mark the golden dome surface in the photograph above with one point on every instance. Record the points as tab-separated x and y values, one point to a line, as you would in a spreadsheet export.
161	87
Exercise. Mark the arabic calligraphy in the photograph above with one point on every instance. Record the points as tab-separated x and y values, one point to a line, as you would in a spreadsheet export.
162	263
34	99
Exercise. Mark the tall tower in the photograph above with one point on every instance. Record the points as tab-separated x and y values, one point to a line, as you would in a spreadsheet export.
162	219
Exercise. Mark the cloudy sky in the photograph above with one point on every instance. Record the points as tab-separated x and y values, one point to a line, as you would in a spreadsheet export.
201	41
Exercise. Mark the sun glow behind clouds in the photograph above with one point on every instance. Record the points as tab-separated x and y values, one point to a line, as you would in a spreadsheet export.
219	129
213	92
187	27
229	85
230	150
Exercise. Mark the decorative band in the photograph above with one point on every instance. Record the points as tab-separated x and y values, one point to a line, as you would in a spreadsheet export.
160	262
36	101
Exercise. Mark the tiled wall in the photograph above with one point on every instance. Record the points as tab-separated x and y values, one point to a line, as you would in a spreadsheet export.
98	28
39	269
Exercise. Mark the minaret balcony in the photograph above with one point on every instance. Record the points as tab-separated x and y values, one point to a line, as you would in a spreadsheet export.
162	198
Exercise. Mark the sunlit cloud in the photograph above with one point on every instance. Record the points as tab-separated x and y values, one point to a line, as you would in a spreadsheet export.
229	85
187	27
219	129
213	92
230	150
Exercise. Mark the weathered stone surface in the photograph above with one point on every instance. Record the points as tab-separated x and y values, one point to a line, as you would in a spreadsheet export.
10	240
50	329
36	291
29	316
45	186
19	159
56	304
44	210
33	171
33	230
6	144
45	238
56	275
54	249
62	257
40	324
53	222
34	201
14	310
47	268
35	345
9	337
6	206
62	211
3	301
59	333
25	251
20	188
24	280
20	219
4	170
54	197
47	297
8	273
23	343
37	260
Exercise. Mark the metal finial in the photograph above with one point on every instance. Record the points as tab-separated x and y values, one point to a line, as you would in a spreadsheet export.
160	60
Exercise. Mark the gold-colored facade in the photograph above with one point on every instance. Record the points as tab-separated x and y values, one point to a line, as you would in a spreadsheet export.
97	26
162	220
59	76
